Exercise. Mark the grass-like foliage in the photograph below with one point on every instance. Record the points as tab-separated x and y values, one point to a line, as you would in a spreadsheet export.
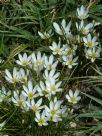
50	68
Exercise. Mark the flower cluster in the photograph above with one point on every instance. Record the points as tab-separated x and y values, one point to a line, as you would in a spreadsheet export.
91	44
36	86
77	40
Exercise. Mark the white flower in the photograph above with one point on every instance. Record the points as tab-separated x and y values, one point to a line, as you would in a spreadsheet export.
84	29
73	125
24	60
68	51
53	87
92	53
53	111
48	75
89	41
23	75
45	35
56	48
82	12
37	61
42	90
19	100
73	97
4	94
64	29
49	63
12	78
35	106
30	91
69	61
41	119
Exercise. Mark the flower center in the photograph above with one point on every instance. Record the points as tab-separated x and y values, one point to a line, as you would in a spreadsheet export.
46	36
49	66
19	102
23	79
57	50
14	80
82	16
53	88
35	107
68	51
83	31
30	95
52	111
24	62
73	99
93	55
38	62
89	44
41	121
70	62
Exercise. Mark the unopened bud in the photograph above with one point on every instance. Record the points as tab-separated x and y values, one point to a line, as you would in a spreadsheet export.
72	125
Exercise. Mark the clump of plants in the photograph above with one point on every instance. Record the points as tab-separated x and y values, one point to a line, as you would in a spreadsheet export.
37	88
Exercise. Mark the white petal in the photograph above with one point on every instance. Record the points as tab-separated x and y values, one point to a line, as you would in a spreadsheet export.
8	73
70	93
30	86
38	115
63	24
25	56
57	28
39	102
76	93
20	57
41	35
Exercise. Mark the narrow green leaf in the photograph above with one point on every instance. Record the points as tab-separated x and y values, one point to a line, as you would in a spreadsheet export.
93	98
